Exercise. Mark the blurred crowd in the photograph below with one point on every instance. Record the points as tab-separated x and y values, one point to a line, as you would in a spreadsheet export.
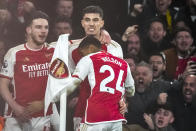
158	42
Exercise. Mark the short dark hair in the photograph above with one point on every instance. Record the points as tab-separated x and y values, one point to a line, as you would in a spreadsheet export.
180	29
92	9
156	19
161	54
90	40
36	15
63	19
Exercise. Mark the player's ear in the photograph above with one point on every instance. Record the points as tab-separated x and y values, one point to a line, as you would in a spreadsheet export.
102	23
28	29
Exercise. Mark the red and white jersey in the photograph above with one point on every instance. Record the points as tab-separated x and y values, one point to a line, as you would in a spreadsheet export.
28	69
113	48
108	76
74	56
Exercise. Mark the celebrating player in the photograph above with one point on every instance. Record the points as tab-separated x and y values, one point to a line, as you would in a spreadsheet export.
108	77
26	68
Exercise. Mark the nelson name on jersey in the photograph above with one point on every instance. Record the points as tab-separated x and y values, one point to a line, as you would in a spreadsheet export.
36	70
109	59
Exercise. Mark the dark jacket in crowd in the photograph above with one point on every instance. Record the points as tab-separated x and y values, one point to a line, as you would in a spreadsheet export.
184	113
140	102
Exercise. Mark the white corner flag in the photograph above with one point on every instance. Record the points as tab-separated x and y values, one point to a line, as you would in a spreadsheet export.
58	78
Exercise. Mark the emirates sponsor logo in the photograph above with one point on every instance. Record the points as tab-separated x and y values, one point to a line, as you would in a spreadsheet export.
35	67
36	70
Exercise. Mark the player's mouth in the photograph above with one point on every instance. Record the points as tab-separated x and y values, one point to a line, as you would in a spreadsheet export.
42	36
91	29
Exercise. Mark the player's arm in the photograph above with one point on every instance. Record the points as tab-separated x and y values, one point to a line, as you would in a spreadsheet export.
129	84
7	72
79	74
19	110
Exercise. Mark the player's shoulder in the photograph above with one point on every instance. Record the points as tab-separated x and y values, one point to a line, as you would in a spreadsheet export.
115	44
53	44
17	48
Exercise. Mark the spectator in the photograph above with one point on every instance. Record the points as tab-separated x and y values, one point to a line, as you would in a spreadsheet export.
146	94
184	104
176	58
158	64
64	8
26	67
161	8
133	46
62	25
156	39
131	63
162	119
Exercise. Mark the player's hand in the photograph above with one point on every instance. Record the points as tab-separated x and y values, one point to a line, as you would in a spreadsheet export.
22	115
123	107
162	98
35	106
77	121
105	37
148	120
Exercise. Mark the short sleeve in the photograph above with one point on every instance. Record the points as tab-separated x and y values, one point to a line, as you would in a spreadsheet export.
7	69
129	82
82	68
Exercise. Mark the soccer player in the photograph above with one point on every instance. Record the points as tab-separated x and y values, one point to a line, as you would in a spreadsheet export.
108	77
26	68
92	23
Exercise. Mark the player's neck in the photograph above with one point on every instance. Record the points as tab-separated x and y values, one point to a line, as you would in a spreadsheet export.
34	46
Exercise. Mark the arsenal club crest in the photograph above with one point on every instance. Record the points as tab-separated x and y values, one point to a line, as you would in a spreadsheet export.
59	69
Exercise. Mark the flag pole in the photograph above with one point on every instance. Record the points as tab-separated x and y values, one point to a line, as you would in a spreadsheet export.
63	103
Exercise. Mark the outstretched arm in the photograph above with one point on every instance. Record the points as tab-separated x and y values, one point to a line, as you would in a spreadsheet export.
20	111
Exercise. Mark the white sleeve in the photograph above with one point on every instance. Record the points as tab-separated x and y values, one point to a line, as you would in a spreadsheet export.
129	83
7	69
115	49
82	68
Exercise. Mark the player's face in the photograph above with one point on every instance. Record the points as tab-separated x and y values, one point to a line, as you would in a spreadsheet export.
158	66
143	78
37	32
92	24
156	32
65	8
163	118
189	88
183	41
62	28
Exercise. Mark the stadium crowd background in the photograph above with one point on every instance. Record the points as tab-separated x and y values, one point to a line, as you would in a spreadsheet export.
159	32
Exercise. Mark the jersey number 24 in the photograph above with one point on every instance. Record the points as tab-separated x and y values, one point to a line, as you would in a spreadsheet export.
103	87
